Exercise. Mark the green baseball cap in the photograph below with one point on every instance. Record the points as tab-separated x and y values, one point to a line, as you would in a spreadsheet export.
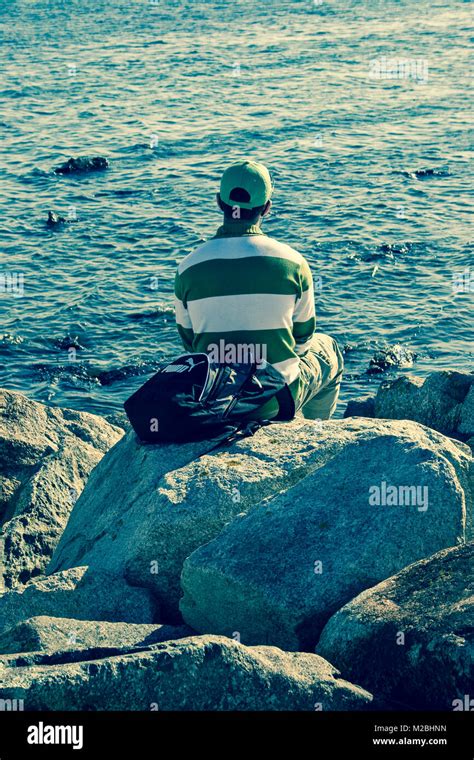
246	184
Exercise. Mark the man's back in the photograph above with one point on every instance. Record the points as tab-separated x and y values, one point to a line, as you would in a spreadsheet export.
244	294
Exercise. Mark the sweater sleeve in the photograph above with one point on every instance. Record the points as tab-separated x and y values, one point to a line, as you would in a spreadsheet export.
304	315
183	320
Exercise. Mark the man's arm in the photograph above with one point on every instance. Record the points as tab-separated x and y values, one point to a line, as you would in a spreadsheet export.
304	315
183	321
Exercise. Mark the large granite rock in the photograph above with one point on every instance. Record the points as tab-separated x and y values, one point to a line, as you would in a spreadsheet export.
173	498
196	673
393	493
144	510
82	637
78	594
411	638
360	407
443	401
46	456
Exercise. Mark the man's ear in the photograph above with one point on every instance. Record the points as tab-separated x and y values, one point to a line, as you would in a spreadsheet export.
267	208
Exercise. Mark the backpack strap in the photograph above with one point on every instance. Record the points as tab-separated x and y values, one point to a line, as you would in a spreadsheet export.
241	432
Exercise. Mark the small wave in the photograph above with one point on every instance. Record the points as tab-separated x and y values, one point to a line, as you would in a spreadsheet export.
349	348
384	251
7	340
383	359
395	248
160	311
139	147
120	193
73	371
391	357
88	374
35	176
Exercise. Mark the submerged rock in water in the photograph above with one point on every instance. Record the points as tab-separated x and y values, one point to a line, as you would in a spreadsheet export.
425	172
392	248
443	401
67	342
54	220
411	638
78	594
107	377
82	164
46	455
391	357
195	673
73	370
86	373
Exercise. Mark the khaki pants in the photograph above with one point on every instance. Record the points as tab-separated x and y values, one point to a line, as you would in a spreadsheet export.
321	375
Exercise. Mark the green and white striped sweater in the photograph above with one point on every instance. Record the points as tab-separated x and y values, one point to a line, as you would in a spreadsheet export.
242	288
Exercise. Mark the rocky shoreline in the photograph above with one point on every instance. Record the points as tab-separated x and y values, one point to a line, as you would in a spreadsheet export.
313	566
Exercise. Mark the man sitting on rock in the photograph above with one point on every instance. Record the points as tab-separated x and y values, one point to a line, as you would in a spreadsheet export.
243	291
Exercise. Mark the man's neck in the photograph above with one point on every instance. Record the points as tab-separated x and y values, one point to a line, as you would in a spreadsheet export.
238	228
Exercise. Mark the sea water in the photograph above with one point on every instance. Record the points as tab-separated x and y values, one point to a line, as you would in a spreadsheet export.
362	112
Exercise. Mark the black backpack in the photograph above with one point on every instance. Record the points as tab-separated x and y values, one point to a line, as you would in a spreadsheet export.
195	398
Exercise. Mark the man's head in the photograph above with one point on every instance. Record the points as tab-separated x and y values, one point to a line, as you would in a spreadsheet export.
245	191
